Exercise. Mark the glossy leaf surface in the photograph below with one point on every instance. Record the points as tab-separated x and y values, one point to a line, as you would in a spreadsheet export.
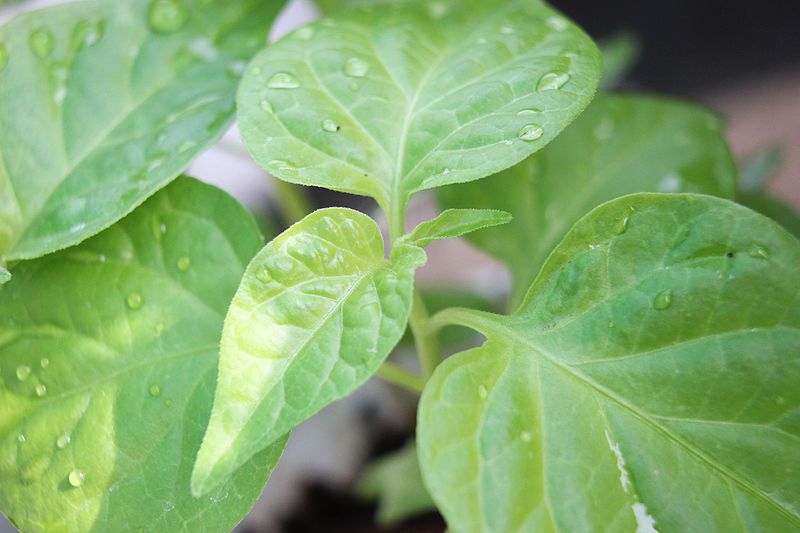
649	379
316	314
454	223
620	145
108	357
386	101
102	103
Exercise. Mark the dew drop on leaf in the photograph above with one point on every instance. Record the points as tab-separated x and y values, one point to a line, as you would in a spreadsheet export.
186	146
76	478
135	300
41	42
506	29
265	105
356	67
21	438
86	33
283	80
557	23
483	392
530	132
155	390
63	441
329	125
44	363
529	111
41	390
552	81
23	371
184	263
168	402
526	436
662	300
167	16
622	226
263	275
3	56
758	252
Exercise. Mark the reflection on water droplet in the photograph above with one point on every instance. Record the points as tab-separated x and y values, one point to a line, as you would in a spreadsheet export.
41	42
135	300
276	165
356	68
758	252
304	33
21	438
167	16
86	33
3	56
530	132
552	81
63	441
186	146
529	111
329	125
662	300
184	263
283	80
483	392
265	105
557	23
622	225
155	390
506	29
263	275
41	390
76	478
44	362
23	371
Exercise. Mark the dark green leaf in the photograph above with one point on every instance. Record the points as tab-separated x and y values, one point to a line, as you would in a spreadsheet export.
778	211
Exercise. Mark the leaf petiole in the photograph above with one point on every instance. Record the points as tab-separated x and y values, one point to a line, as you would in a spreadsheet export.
401	377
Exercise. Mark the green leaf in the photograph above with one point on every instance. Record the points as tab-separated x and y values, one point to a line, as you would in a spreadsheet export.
649	378
756	170
391	100
620	145
620	53
395	481
103	103
780	212
316	314
454	223
108	357
5	275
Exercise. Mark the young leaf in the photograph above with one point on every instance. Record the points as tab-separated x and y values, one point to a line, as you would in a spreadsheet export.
108	357
454	223
316	314
103	103
390	100
395	481
620	145
649	379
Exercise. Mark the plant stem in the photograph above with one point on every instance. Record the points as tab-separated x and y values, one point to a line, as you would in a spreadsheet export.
425	339
293	200
480	321
397	223
401	377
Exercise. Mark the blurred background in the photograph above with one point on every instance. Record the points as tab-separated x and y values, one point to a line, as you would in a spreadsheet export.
738	58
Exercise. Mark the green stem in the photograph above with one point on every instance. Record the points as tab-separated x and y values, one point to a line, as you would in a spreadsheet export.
397	223
480	321
293	200
425	340
401	377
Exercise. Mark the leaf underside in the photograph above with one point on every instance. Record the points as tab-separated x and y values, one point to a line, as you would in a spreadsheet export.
108	356
648	379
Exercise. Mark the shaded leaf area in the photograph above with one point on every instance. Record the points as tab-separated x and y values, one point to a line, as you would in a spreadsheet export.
317	313
103	103
620	145
386	101
108	357
649	379
780	212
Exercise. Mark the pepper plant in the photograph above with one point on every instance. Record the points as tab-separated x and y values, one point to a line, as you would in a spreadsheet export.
155	355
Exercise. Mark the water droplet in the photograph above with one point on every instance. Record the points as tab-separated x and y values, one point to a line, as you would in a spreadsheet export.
21	438
3	56
283	80
662	300
263	275
101	258
265	105
526	436
529	111
184	263
167	16
329	125
622	225
758	252
168	402
186	146
155	390
63	441
557	23
135	300
552	81
483	392
23	371
76	478
356	68
276	165
44	363
41	390
531	132
41	42
304	33
86	33
506	29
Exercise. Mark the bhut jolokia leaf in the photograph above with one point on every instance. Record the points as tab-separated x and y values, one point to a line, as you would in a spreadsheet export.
5	275
395	481
102	103
316	314
454	223
108	357
649	379
620	145
620	52
389	100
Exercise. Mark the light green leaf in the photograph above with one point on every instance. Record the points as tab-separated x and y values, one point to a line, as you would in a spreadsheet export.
316	314
620	145
5	275
390	100
395	481
620	53
102	103
756	170
454	223
108	357
648	379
